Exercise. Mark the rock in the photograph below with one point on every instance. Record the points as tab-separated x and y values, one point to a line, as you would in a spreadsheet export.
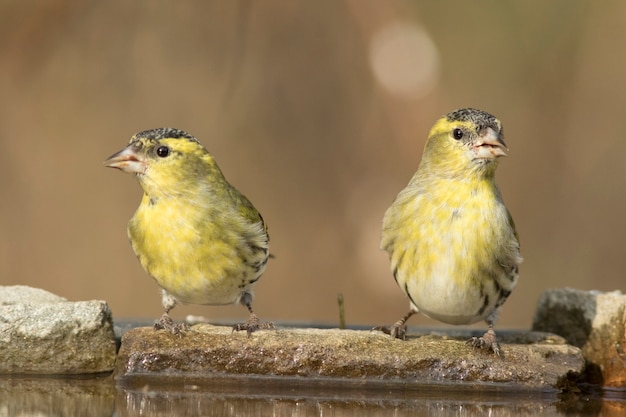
360	356
41	333
21	294
593	321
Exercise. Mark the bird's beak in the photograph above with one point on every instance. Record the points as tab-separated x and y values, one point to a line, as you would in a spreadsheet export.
489	145
128	160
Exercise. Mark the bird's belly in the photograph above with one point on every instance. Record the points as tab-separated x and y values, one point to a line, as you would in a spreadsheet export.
192	255
452	277
213	275
445	299
200	289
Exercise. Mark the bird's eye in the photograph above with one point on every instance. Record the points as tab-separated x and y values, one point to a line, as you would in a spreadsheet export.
457	134
163	151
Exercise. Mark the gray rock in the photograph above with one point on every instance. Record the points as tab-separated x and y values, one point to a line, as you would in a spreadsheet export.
41	333
21	294
593	321
351	356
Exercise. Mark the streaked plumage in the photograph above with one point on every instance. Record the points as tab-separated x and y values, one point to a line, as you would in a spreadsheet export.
195	234
452	243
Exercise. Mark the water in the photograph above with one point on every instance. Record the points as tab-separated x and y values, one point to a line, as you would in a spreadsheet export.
101	396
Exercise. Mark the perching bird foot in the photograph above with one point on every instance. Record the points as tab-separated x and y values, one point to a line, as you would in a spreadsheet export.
487	342
252	325
396	331
166	323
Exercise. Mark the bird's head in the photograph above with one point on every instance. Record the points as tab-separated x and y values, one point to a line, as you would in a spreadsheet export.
465	139
165	160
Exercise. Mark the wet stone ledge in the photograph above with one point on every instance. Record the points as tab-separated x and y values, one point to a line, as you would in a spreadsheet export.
530	360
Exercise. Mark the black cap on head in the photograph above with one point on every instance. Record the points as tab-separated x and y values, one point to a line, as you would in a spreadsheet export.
480	118
162	133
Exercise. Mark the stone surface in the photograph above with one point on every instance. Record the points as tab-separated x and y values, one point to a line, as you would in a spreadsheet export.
22	294
41	333
357	356
593	321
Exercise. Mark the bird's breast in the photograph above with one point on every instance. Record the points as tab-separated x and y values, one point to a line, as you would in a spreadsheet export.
445	251
191	253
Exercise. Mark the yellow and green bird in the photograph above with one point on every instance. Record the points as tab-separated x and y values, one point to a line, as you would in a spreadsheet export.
452	243
194	233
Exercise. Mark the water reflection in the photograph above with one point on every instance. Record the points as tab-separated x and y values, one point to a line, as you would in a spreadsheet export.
28	396
42	397
222	397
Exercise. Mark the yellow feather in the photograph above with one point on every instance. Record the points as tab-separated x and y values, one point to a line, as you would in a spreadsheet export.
195	234
452	244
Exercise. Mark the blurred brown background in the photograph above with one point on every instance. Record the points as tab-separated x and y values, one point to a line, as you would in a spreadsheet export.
318	112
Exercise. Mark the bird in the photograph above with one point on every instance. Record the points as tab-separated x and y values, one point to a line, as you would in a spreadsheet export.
201	240
452	243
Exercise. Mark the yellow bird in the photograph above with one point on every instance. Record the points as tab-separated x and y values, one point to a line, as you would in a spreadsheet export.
452	243
194	233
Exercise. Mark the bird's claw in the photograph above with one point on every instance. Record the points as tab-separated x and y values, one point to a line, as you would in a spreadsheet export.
396	331
166	323
252	325
487	342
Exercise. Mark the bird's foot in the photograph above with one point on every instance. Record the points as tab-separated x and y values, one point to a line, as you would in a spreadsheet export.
166	323
487	342
396	331
252	325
